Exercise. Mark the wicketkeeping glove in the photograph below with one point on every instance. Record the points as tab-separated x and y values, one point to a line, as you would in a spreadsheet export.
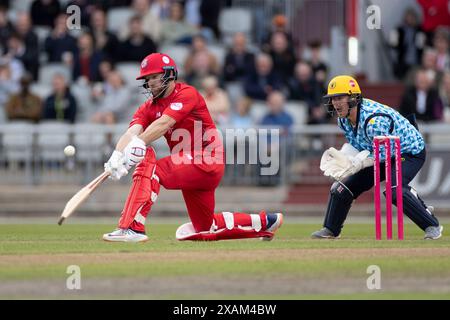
357	163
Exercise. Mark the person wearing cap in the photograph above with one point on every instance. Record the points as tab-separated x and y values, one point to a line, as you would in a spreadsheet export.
195	166
361	120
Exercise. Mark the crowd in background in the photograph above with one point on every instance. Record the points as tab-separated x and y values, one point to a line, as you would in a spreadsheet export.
421	50
271	70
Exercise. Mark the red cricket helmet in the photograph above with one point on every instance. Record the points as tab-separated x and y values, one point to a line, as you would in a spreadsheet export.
158	63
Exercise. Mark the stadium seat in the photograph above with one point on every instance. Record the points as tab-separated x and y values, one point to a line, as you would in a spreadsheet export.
85	105
118	17
129	72
235	91
219	52
18	140
118	131
232	20
179	54
42	90
298	110
22	5
89	141
46	72
52	138
258	110
42	33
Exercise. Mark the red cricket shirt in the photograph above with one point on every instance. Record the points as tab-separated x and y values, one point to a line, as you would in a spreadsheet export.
188	108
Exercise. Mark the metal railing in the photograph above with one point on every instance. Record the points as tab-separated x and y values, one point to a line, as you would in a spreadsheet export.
30	155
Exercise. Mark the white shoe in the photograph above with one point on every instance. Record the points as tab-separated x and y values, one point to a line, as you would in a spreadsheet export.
125	235
433	233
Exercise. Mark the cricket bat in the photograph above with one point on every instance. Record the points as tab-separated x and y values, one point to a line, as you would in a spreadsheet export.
81	196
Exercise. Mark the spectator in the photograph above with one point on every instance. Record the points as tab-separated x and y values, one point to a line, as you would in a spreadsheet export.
209	12
429	59
15	68
105	69
45	12
137	45
441	44
18	51
263	80
100	89
161	9
105	41
303	86
60	45
277	116
242	119
61	104
408	41
114	108
238	59
444	93
9	83
283	56
319	67
200	62
216	100
422	99
31	43
6	29
24	105
87	60
151	24
192	12
318	115
435	13
175	29
279	24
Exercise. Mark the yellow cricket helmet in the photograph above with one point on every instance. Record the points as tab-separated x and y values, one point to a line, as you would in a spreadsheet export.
339	86
342	85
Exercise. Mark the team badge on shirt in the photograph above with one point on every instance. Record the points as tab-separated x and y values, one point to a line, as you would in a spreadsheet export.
176	106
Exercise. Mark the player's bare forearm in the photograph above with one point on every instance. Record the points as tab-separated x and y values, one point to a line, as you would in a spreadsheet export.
134	130
157	129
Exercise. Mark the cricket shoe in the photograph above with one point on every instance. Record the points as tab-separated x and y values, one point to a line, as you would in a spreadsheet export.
125	235
433	233
324	233
274	222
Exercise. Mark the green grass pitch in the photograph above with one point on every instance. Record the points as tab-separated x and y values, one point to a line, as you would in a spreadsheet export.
34	260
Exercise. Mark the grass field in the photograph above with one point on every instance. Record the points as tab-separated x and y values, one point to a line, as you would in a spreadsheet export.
34	260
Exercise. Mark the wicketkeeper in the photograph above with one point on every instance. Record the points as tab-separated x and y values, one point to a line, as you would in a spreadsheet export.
352	166
196	165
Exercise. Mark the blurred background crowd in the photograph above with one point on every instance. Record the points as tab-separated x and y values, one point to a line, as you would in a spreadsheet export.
49	71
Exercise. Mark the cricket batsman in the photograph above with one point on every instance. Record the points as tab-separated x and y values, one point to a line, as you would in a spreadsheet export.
196	165
352	166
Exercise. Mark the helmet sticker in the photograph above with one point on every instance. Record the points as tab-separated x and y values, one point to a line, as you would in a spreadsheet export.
333	85
352	83
144	63
165	60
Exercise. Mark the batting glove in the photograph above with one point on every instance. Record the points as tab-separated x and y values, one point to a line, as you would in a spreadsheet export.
116	166
134	152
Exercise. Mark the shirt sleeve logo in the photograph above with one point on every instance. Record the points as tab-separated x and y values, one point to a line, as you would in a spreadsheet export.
176	106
